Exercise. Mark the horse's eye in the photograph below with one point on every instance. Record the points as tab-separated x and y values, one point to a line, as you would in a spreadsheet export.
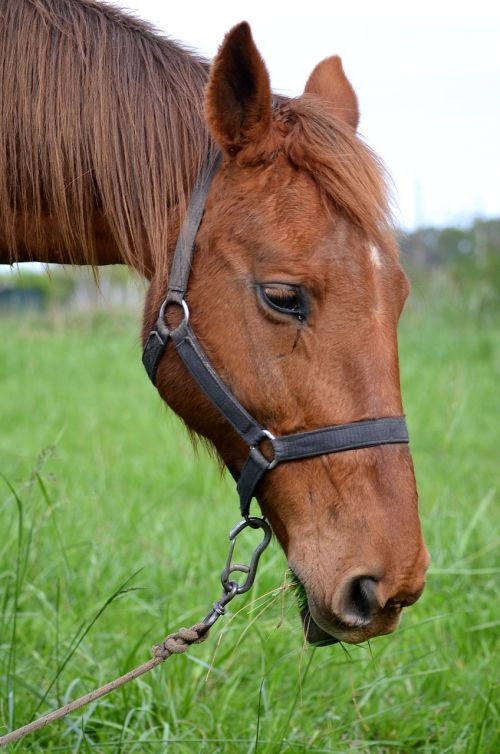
286	299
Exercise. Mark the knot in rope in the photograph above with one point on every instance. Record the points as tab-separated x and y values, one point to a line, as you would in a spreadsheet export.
180	640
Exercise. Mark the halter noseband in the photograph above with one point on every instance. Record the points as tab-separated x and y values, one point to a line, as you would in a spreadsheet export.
332	439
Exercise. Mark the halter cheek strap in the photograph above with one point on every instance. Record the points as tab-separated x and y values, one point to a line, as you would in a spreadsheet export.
332	439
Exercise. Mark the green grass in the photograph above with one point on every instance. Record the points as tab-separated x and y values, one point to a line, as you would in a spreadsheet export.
113	533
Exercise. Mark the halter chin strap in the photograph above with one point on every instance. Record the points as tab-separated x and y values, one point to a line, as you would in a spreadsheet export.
333	439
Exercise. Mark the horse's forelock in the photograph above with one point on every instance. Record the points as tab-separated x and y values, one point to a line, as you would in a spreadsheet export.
349	173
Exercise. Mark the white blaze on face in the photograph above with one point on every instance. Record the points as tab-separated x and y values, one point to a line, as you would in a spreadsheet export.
375	256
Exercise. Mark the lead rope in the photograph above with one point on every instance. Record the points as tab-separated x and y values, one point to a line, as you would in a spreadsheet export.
175	643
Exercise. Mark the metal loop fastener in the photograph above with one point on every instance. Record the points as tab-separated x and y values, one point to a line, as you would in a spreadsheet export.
251	569
230	588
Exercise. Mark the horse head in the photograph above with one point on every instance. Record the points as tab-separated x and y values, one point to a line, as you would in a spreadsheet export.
295	294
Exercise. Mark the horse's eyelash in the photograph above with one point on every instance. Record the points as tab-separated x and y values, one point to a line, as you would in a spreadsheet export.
281	293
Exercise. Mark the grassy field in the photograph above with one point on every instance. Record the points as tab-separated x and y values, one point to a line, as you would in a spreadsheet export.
113	533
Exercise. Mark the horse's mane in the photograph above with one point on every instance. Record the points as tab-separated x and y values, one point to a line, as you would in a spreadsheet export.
96	110
99	111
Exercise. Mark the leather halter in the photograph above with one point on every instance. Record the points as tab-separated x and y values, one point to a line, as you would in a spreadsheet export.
331	439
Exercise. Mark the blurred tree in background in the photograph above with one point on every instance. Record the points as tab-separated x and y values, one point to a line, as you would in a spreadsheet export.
58	287
469	259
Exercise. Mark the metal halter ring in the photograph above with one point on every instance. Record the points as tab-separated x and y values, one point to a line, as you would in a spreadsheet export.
271	437
185	310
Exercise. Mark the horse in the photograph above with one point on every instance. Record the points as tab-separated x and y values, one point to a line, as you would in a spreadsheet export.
295	289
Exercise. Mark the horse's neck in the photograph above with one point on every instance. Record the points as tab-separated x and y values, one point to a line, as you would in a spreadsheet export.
42	241
34	239
93	187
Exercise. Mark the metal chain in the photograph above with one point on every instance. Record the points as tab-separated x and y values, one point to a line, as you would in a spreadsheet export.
177	642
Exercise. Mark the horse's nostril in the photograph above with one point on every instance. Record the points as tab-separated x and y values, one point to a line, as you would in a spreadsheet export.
360	601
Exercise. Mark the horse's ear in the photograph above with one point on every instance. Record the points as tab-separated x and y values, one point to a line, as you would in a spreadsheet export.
329	82
238	99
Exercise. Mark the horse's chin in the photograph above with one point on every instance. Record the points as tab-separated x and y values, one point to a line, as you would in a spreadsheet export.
314	633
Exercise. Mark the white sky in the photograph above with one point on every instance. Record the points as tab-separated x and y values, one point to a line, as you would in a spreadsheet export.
427	75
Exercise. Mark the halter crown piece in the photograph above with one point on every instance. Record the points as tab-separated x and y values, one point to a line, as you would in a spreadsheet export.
332	439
